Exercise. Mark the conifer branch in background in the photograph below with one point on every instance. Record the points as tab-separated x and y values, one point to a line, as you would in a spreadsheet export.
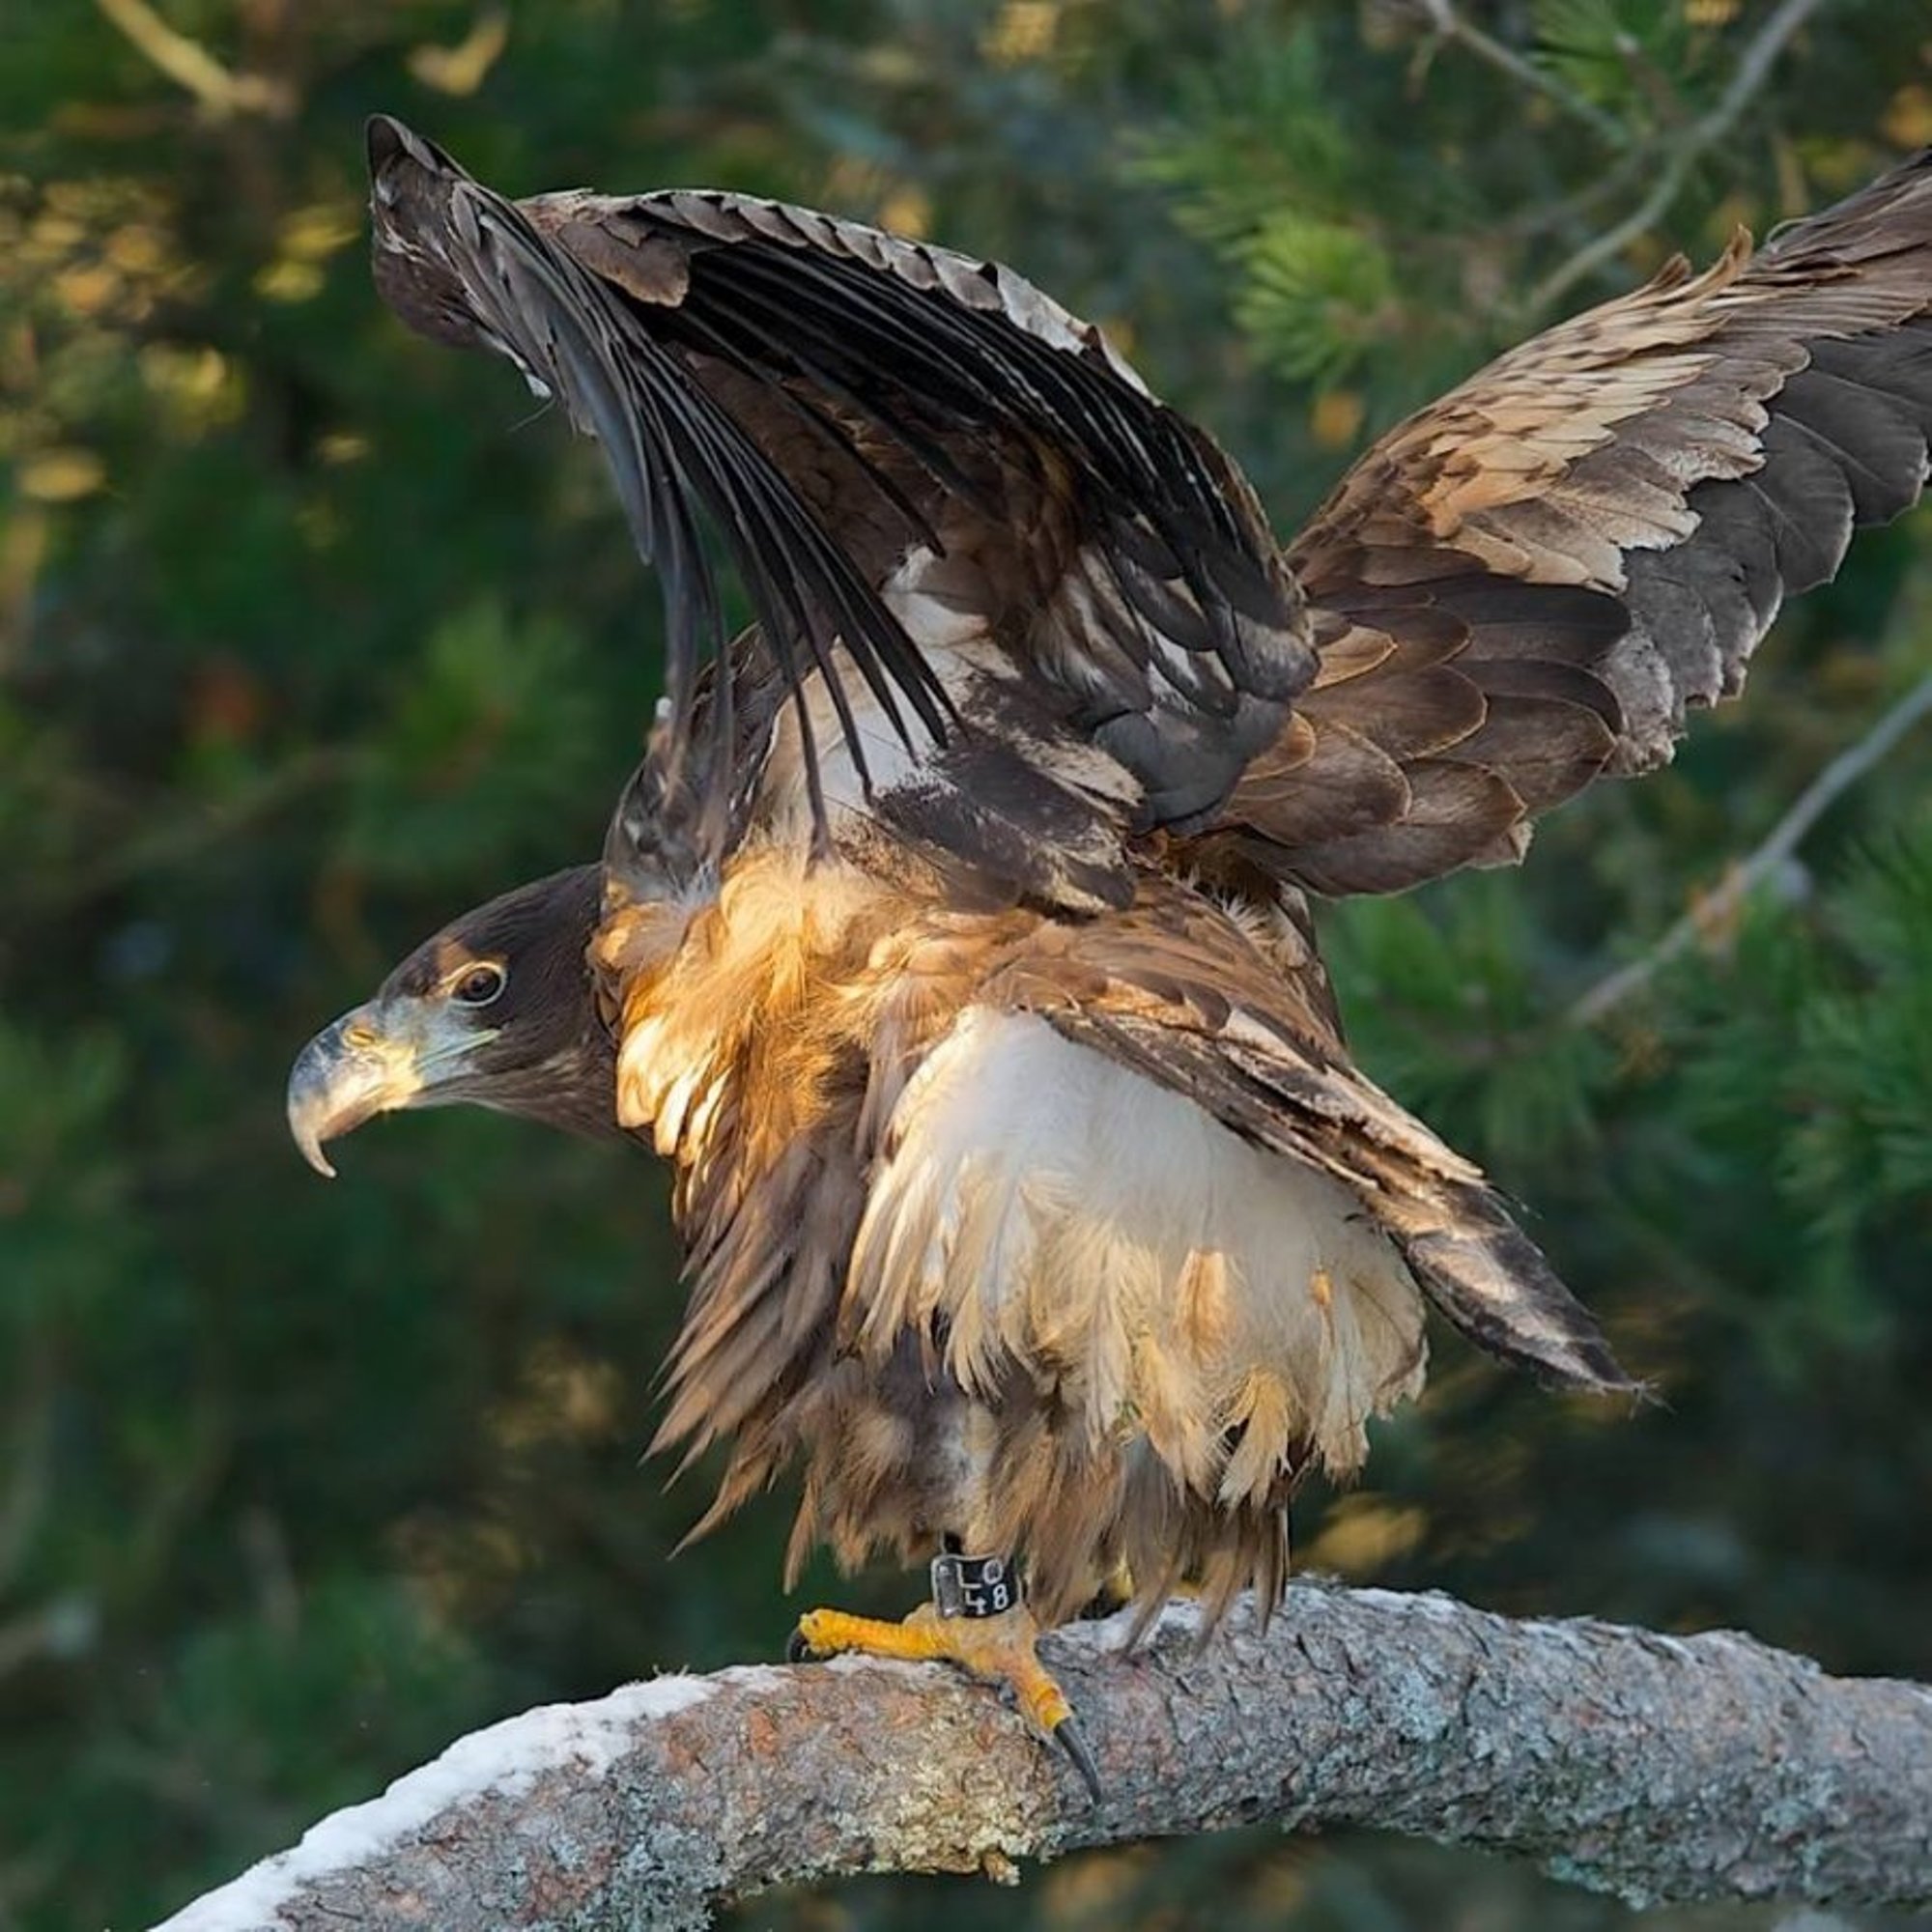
1753	70
1716	909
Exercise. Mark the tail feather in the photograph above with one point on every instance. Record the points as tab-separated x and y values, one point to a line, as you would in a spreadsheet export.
1490	1279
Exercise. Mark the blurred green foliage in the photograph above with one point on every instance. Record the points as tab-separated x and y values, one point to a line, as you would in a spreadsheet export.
310	636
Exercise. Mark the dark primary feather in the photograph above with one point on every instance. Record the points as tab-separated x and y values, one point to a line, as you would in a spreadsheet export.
836	406
655	843
465	265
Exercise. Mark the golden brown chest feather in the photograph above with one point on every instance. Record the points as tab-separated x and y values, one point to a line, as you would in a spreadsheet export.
987	1278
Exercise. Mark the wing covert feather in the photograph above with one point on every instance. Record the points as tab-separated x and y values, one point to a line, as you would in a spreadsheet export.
1599	526
1178	991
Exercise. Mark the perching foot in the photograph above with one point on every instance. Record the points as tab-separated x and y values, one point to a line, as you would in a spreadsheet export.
975	1621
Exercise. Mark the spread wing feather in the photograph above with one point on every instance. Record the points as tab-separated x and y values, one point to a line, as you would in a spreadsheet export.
960	516
464	266
1593	533
1037	612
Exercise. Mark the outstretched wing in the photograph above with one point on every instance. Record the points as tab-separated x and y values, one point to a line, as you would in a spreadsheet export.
1036	611
1527	583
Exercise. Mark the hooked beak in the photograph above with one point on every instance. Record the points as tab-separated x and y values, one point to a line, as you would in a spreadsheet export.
372	1060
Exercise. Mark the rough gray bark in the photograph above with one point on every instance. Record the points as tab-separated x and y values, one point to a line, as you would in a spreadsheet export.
1652	1767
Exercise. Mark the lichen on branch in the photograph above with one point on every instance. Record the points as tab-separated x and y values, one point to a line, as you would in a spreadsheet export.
1656	1768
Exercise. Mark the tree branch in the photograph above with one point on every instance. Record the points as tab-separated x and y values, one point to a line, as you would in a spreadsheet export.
188	63
1652	1767
1449	26
1752	71
1714	909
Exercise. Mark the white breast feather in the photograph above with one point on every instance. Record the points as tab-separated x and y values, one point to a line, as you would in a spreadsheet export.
1056	1211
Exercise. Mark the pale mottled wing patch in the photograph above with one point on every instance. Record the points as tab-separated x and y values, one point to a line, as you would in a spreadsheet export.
1591	534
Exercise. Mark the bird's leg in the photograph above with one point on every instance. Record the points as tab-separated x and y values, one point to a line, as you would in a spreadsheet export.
1115	1594
976	1620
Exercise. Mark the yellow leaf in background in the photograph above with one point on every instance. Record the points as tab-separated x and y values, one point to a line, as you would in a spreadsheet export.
906	210
1102	1889
1907	117
88	289
62	475
1335	417
464	68
305	240
1363	1535
53	235
1025	31
198	388
314	234
343	447
287	281
564	1397
1711	13
137	249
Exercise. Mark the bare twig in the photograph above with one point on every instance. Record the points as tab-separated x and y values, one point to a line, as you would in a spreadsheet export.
1609	185
1716	907
1451	26
1653	1767
464	68
220	93
1752	71
190	832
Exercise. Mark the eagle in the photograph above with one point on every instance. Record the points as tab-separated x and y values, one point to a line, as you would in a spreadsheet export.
953	941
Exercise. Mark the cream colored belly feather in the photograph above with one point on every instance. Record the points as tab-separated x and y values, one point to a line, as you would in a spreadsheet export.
1059	1211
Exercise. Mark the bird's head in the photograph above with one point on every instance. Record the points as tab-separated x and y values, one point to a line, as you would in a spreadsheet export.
499	1008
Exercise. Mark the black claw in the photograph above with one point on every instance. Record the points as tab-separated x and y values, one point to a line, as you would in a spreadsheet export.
1072	1740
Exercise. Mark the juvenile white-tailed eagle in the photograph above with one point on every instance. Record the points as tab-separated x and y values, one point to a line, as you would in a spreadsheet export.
951	940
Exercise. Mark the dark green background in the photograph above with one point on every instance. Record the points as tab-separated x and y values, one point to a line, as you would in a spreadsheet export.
311	635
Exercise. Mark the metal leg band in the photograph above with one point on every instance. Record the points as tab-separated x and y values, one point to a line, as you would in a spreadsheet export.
975	1586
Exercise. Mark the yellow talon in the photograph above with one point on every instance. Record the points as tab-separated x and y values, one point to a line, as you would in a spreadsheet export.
998	1649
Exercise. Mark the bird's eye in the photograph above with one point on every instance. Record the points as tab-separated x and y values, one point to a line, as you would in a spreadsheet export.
479	984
